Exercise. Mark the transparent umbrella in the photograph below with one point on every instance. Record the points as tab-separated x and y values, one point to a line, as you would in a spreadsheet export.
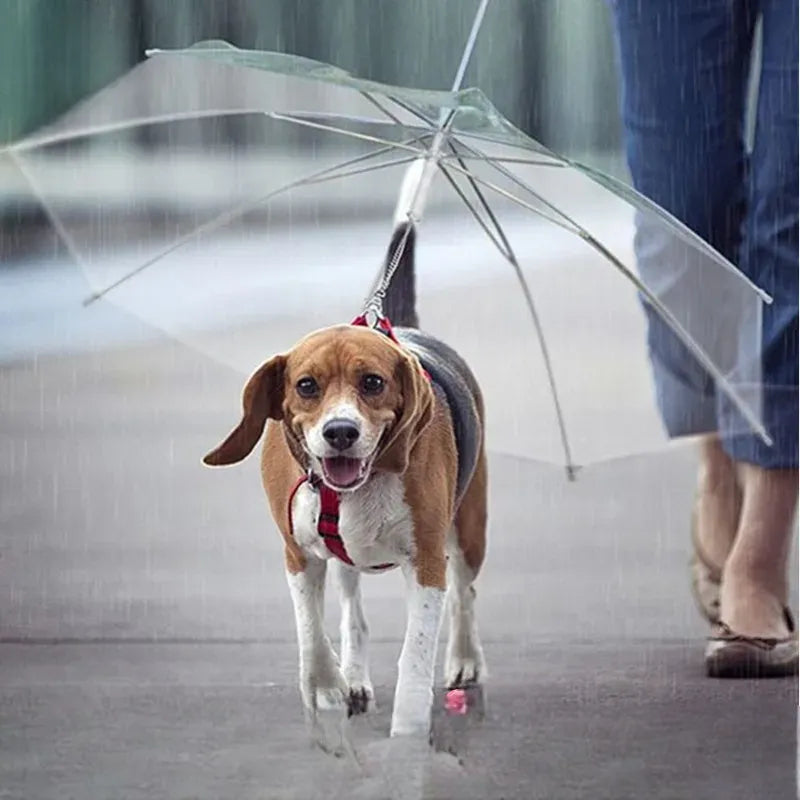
237	199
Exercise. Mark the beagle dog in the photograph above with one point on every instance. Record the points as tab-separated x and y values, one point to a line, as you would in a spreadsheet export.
374	458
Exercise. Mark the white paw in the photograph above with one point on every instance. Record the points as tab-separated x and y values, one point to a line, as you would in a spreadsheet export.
322	685
325	695
463	669
329	698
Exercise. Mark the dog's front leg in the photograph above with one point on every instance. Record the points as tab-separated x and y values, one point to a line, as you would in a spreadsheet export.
414	691
322	685
354	639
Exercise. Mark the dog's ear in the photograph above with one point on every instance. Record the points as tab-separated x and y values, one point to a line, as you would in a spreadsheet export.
415	416
262	399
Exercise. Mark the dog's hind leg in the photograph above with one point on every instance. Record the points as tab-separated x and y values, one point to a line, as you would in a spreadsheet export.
354	640
464	662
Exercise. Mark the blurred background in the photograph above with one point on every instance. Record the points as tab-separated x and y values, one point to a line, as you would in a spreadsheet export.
546	64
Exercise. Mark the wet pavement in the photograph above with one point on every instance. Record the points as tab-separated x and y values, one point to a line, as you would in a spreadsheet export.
148	642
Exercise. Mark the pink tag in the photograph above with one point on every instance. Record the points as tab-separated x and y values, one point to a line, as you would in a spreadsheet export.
456	701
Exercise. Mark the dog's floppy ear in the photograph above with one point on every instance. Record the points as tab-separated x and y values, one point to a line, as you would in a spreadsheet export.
416	415
262	399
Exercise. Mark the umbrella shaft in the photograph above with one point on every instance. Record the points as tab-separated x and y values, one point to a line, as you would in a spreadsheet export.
423	174
470	45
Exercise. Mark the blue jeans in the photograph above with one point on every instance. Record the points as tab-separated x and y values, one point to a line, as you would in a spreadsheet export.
684	68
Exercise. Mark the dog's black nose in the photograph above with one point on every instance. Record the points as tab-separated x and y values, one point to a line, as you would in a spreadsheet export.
340	433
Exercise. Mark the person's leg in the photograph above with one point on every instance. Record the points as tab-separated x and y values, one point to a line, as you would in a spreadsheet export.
718	502
754	584
684	67
754	588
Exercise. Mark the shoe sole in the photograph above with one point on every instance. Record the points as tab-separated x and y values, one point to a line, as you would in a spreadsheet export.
742	660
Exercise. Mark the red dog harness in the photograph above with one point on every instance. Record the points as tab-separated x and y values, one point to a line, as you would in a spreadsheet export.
328	521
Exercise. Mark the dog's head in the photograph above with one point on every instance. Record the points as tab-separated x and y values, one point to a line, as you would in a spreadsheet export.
350	401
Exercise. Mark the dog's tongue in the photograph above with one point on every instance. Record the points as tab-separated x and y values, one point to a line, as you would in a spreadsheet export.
342	471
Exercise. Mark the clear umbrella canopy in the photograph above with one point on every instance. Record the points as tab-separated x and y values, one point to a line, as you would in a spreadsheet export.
236	200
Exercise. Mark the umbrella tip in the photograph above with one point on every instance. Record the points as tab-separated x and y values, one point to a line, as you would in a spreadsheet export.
572	471
87	301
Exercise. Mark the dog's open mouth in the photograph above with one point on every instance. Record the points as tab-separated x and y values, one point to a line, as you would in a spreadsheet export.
344	473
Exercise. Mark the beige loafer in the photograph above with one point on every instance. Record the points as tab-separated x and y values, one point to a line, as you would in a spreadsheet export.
732	655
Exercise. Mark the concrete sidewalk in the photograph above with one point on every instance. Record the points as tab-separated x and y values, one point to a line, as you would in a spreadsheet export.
604	719
148	642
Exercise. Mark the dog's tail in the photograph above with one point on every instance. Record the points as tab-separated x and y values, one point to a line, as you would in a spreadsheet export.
400	300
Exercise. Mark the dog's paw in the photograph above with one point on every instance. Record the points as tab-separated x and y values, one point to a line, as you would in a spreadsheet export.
360	699
461	671
330	699
322	683
327	717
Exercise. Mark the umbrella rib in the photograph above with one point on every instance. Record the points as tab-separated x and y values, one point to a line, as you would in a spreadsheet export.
316	177
411	110
625	191
679	331
487	208
334	116
52	216
687	234
502	159
352	134
528	145
504	250
367	96
516	145
569	225
619	188
111	127
157	119
654	301
519	182
507	251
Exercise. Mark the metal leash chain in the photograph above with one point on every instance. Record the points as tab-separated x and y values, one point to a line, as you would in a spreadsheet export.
373	309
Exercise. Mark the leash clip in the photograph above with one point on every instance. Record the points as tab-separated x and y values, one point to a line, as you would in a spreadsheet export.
372	317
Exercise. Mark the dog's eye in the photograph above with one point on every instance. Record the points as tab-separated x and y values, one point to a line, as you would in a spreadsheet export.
307	387
372	384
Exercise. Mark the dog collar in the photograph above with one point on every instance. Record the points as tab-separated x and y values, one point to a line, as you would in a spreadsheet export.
384	326
380	324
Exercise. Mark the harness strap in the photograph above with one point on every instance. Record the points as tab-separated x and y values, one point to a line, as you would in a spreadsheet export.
382	325
328	520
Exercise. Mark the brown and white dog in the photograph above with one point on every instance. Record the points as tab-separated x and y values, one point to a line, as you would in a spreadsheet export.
391	432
